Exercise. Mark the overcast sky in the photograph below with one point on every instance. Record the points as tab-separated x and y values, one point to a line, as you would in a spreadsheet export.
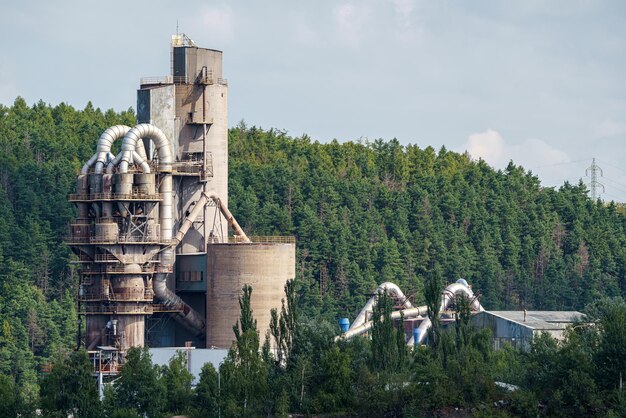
539	82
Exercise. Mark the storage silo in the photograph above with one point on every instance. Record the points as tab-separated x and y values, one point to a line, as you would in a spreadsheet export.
266	264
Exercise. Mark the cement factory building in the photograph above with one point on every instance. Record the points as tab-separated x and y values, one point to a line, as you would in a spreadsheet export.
158	262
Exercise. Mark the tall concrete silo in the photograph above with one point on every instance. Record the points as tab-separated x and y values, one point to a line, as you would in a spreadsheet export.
266	265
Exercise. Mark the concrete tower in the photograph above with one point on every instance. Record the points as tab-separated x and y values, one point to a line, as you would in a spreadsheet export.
190	106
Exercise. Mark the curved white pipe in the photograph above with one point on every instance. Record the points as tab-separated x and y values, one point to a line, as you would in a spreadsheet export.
164	149
392	290
88	164
188	317
141	150
366	326
161	143
447	297
104	145
92	160
137	159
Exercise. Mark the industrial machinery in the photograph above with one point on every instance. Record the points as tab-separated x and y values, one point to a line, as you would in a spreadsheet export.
363	322
152	227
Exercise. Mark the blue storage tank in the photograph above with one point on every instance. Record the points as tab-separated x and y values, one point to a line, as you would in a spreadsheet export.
416	336
344	324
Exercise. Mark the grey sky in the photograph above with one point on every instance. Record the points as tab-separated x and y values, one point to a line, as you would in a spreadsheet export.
539	82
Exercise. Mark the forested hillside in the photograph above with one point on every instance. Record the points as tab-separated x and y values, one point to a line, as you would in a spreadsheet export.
41	150
363	213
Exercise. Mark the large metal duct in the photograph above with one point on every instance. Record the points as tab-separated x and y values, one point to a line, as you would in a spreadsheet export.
104	145
392	290
447	296
188	317
204	198
103	152
137	159
164	149
229	218
366	326
89	164
361	325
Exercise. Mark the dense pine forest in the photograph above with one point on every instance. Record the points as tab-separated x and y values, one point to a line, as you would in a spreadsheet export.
363	213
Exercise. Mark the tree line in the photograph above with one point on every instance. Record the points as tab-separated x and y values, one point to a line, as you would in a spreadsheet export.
312	373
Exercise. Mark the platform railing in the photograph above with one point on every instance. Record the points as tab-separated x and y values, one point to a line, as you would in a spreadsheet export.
75	197
261	239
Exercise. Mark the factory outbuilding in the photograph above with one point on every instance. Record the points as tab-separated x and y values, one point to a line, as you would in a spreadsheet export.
518	328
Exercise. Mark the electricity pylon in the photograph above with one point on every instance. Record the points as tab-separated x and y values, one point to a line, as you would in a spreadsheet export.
594	184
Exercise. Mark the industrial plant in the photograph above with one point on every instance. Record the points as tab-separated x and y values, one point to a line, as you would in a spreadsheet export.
516	328
161	258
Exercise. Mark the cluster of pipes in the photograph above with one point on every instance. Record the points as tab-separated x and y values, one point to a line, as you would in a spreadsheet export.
363	322
105	174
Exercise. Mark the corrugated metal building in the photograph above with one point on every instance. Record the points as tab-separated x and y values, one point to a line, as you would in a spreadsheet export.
519	327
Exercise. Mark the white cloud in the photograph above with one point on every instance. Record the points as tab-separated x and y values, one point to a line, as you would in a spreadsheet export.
531	153
535	152
609	128
487	145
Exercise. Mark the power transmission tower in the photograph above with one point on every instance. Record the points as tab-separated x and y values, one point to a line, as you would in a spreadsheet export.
595	185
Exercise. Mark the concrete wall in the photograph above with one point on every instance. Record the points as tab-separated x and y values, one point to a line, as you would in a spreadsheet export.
193	59
266	267
156	106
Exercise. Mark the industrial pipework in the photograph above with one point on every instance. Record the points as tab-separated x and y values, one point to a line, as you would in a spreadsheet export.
363	322
124	237
152	226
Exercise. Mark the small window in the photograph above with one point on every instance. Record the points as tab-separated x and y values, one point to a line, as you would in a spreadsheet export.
190	276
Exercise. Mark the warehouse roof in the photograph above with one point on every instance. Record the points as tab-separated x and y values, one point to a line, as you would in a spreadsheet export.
540	320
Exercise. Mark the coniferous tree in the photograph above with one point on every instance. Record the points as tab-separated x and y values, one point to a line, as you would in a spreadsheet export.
283	327
139	387
207	392
243	370
70	388
177	381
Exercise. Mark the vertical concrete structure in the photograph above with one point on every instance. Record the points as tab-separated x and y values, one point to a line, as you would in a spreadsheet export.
264	265
191	107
